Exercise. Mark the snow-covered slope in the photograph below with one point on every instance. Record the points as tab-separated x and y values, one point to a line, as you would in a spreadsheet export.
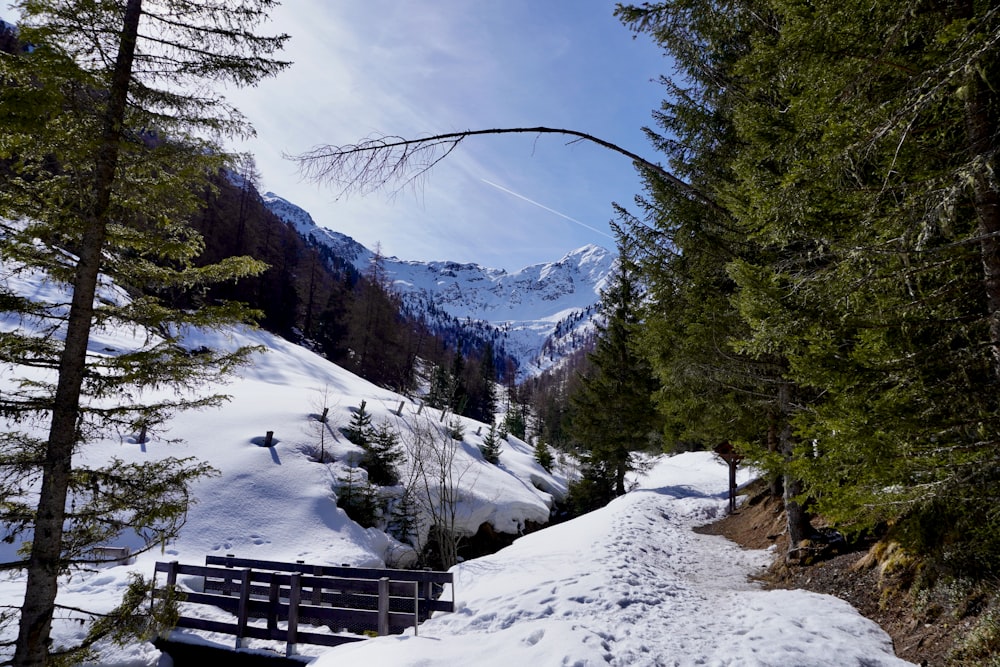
628	585
538	310
280	502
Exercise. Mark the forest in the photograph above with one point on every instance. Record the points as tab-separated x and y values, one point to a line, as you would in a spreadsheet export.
813	273
826	294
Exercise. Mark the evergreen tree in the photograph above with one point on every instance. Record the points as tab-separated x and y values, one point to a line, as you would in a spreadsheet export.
106	161
614	413
491	447
359	499
713	387
514	421
437	396
360	430
887	291
854	147
482	388
383	454
543	455
404	519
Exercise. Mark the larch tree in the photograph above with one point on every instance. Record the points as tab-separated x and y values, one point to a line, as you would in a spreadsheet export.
110	136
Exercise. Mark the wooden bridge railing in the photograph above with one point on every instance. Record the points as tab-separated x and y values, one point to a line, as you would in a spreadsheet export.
361	600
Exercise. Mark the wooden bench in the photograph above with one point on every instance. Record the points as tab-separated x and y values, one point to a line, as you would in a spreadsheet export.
351	602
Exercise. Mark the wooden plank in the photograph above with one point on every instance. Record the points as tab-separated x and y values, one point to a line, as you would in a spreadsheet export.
272	605
334	570
383	606
241	614
328	640
293	614
206	624
344	584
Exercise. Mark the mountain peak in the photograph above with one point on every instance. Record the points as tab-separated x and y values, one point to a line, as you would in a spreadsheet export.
525	308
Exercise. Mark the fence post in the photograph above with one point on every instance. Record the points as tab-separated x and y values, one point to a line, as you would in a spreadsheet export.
243	608
428	595
172	574
227	582
383	606
273	598
416	606
294	596
317	590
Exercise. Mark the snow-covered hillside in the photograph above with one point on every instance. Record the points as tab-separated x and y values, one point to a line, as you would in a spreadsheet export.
628	585
539	310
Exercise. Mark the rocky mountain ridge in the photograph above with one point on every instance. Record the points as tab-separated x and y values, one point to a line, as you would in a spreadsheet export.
540	313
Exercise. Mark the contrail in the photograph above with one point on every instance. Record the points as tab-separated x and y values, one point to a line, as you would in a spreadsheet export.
544	207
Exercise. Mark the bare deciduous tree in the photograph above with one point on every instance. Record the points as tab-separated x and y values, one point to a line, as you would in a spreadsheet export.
435	481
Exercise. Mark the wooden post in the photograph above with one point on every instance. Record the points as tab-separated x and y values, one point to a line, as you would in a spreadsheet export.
142	435
269	438
322	417
420	409
383	606
243	608
317	590
294	597
273	598
416	606
172	574
479	430
427	595
399	411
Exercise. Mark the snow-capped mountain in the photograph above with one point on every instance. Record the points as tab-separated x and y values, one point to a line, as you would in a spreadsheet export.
540	313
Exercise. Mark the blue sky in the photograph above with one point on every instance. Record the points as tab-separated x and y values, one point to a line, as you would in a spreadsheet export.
427	66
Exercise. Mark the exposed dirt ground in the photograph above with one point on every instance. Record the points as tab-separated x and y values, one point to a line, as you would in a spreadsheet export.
922	633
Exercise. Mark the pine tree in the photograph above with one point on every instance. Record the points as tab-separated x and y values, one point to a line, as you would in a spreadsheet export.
358	498
714	387
614	413
543	455
491	448
458	394
437	396
106	163
515	422
854	146
359	430
404	519
383	454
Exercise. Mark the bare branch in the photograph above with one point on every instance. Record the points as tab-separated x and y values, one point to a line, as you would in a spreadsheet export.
379	161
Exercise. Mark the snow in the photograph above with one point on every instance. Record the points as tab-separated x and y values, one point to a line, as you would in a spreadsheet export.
526	305
630	584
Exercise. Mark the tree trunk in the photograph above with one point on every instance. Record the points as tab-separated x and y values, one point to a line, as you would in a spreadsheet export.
45	562
981	130
797	519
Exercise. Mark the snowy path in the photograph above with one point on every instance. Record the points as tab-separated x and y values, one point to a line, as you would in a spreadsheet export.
629	585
